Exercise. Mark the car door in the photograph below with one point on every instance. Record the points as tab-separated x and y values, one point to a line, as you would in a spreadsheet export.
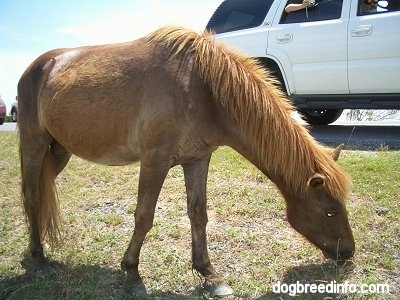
313	43
374	49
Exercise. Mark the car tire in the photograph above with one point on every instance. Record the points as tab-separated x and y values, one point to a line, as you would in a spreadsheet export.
14	116
320	116
2	121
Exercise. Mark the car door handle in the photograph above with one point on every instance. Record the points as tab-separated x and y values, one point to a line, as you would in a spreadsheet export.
284	38
362	30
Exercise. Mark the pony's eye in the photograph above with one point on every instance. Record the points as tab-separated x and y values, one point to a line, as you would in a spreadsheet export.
330	214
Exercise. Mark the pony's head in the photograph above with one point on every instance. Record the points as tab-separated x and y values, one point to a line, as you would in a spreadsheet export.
320	215
322	219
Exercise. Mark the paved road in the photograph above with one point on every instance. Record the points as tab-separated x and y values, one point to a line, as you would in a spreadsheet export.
8	127
364	137
357	137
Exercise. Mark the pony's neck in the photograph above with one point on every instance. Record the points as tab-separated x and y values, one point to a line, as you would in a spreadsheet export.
289	160
291	157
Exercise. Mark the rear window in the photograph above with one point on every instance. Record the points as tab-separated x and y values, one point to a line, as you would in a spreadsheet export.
238	14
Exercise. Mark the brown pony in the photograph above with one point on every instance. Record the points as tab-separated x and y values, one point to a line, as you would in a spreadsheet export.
168	99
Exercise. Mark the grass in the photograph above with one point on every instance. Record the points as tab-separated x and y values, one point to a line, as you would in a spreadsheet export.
250	241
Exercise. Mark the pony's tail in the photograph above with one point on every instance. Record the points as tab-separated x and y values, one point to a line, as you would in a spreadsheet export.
49	211
41	211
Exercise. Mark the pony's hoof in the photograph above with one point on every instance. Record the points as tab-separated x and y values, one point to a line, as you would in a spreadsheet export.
138	289
218	289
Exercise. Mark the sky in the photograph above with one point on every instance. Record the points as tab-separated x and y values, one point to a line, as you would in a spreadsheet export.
29	28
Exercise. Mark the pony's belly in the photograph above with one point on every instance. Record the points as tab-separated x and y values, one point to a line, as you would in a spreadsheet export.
114	157
100	150
95	141
113	161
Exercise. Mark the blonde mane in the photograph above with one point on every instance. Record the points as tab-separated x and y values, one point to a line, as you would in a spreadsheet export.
251	96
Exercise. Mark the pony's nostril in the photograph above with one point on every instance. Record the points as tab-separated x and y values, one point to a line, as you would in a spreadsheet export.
346	254
343	253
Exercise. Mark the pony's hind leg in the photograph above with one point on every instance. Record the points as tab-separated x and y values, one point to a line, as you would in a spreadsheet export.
34	152
60	157
195	181
151	179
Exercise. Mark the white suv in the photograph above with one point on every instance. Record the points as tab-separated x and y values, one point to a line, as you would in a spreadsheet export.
330	56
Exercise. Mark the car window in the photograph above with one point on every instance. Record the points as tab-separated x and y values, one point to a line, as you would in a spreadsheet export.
238	14
368	7
321	11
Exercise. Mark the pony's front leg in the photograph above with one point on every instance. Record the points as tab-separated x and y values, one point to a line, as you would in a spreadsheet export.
196	181
150	182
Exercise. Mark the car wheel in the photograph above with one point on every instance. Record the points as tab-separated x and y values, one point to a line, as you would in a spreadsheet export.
320	116
1	121
14	116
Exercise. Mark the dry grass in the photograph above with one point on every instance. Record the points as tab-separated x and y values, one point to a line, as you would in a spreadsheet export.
250	240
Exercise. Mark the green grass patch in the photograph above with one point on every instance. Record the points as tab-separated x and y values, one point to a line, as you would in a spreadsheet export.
250	241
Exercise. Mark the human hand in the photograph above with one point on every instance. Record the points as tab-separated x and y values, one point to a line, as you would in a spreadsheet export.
308	3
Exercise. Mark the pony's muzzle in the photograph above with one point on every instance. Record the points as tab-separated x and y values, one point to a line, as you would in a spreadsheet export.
339	253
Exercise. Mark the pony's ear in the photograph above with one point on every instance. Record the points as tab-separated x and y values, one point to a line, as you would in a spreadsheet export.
336	152
316	181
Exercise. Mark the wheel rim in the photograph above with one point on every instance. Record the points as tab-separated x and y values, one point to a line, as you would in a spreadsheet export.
316	112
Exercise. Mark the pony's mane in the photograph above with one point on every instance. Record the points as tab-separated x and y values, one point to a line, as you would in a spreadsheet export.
251	96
